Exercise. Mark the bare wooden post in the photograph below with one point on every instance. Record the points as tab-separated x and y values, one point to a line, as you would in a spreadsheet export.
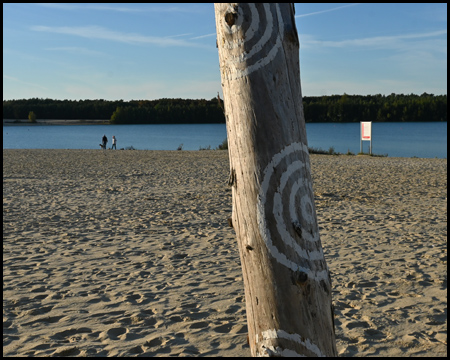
287	282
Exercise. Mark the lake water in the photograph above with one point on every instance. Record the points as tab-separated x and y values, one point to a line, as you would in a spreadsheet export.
425	140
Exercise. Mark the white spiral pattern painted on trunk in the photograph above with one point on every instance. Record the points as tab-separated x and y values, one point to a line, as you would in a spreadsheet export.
286	177
272	334
248	52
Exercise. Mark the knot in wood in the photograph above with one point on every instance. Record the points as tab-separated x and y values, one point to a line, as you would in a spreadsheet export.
300	277
230	18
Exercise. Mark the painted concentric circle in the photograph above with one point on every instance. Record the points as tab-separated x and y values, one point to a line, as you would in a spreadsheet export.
286	179
253	39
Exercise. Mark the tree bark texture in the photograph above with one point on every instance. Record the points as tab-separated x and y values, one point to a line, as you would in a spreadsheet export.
287	282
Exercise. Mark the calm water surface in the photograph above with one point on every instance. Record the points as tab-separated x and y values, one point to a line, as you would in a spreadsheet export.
426	140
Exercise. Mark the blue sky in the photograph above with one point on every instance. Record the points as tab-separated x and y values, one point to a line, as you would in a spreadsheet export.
151	51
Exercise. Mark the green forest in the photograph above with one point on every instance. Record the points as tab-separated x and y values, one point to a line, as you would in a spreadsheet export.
333	108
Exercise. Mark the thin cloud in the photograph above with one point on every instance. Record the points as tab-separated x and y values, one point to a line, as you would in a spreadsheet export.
101	7
374	42
203	36
180	35
11	78
98	32
70	7
325	11
76	50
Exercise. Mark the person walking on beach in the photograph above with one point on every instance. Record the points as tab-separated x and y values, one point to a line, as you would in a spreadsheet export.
104	141
114	143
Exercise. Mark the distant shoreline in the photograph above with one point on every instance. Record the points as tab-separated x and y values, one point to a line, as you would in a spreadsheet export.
26	122
11	122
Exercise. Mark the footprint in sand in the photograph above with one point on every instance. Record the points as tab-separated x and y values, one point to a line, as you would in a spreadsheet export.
232	309
40	297
176	318
65	334
438	319
224	328
38	289
136	350
48	320
374	334
239	329
199	325
153	342
40	310
66	351
41	347
356	324
113	333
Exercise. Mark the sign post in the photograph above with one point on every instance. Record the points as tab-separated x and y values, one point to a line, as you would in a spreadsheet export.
366	134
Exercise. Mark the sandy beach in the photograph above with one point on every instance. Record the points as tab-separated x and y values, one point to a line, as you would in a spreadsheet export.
129	253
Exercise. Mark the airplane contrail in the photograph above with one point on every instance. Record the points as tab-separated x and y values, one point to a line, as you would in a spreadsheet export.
324	11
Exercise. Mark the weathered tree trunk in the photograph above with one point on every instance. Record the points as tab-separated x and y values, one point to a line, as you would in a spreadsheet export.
287	282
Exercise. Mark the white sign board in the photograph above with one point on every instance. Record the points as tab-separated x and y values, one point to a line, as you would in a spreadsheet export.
366	130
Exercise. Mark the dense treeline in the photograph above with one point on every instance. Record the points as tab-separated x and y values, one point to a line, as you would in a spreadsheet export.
162	111
60	109
334	108
380	108
169	111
